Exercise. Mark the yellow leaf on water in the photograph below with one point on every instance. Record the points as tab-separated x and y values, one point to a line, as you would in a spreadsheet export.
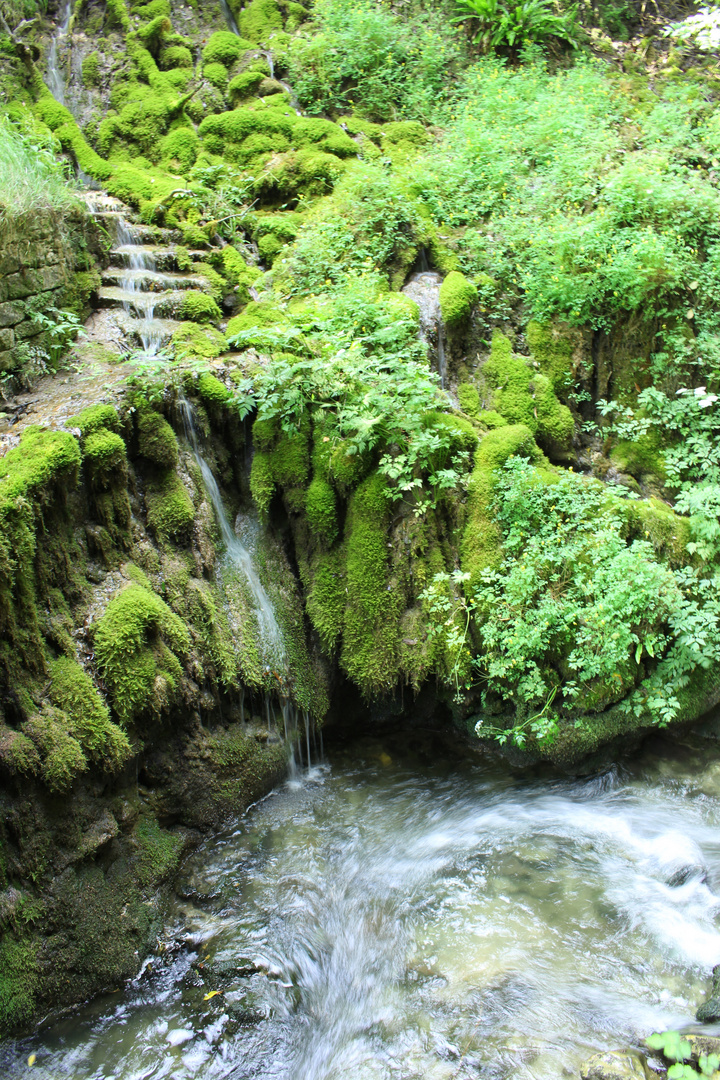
212	994
32	1059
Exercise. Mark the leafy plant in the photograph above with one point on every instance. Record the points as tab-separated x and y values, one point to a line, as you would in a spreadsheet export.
509	26
673	1047
574	618
59	329
31	177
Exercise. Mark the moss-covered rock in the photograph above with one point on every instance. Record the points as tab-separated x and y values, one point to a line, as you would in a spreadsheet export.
370	627
138	642
199	307
192	341
262	483
481	545
156	439
170	510
457	299
74	692
321	510
224	47
105	458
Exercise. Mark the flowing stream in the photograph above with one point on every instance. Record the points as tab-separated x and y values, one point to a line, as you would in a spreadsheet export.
397	913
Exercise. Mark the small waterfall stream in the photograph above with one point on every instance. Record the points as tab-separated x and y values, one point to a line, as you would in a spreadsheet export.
139	302
236	552
424	289
55	79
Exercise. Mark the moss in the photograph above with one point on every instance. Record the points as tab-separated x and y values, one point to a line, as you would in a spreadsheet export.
61	755
265	432
95	418
17	753
321	510
551	346
260	20
262	484
105	457
175	56
151	34
153	10
19	979
91	69
244	85
237	272
170	510
181	148
211	390
137	644
555	424
481	545
327	597
469	400
324	135
370	630
216	74
72	691
524	397
195	237
491	419
116	14
158	852
409	132
654	520
191	341
223	47
290	460
199	307
641	458
257	316
156	439
457	298
41	457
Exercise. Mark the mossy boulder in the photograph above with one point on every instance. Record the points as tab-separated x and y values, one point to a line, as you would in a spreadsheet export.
170	510
262	483
95	418
481	544
224	47
156	439
138	645
191	341
524	396
88	717
211	390
321	510
105	458
199	307
457	299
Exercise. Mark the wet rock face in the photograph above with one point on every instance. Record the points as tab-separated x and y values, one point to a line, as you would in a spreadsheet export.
709	1011
616	1065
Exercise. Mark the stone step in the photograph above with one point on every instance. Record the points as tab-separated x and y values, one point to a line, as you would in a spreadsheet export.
154	234
154	281
143	305
139	332
163	258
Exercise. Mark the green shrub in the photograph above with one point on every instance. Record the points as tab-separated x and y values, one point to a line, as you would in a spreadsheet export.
508	27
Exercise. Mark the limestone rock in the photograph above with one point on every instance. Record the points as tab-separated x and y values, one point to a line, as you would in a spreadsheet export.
709	1011
616	1065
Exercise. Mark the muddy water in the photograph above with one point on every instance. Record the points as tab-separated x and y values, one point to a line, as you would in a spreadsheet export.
399	914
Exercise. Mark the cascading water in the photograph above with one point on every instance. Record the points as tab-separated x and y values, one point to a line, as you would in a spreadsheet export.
236	553
400	915
424	289
139	302
55	80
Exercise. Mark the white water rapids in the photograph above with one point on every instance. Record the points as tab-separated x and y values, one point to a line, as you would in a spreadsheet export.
394	915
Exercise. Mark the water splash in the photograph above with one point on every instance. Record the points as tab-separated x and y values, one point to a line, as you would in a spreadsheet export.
55	80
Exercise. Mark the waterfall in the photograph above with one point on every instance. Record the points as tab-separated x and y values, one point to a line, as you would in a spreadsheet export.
139	303
229	17
236	553
55	80
424	289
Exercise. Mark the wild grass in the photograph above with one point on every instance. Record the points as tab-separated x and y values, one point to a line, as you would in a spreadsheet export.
32	180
